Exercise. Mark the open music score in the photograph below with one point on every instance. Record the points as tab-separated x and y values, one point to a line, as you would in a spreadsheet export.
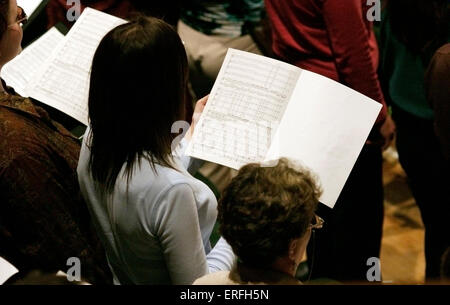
261	109
63	80
19	72
245	103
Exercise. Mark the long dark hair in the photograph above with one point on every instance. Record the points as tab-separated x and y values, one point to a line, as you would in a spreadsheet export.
422	25
137	90
4	11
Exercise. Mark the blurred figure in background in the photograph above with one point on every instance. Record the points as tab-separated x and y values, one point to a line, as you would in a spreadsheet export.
334	38
445	267
208	28
167	10
411	32
57	9
437	84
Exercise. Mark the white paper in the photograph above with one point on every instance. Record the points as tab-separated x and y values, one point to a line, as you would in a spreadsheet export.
6	270
29	6
324	125
19	72
63	82
243	110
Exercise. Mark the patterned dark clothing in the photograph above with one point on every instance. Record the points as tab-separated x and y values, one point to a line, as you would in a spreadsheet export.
43	219
221	17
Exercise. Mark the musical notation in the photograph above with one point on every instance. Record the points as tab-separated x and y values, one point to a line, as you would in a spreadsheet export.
244	109
63	82
19	72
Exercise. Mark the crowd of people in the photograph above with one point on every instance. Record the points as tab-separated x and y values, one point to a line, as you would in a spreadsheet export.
131	209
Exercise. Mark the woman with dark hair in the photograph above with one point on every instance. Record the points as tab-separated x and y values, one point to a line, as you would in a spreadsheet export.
267	214
153	217
43	219
411	32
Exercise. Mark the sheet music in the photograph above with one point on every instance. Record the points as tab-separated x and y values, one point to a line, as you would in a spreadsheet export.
63	82
322	124
19	72
6	270
244	109
325	127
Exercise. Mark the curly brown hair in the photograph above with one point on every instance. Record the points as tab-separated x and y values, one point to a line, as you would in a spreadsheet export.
264	208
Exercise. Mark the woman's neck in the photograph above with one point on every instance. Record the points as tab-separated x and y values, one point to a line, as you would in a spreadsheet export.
285	265
246	274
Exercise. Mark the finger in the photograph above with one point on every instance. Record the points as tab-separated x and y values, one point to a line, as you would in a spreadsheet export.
203	100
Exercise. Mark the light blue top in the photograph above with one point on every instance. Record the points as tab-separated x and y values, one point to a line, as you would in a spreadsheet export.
159	233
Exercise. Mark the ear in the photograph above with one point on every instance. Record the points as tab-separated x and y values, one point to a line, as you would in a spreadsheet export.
293	244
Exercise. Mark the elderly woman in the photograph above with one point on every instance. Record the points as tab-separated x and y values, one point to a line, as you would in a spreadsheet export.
267	215
43	220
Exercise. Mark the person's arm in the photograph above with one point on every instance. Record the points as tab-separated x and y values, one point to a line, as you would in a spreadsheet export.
350	44
349	40
221	257
178	229
180	153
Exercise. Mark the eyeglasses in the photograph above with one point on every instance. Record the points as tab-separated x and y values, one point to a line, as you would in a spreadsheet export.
22	17
316	223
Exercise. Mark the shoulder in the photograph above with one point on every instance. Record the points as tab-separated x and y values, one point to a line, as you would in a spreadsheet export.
439	67
27	129
173	196
178	183
443	52
216	278
179	201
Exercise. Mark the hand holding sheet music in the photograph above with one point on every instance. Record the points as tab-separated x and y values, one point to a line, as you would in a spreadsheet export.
262	109
239	118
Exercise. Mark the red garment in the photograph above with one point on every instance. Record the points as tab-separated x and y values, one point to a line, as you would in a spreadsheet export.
333	38
57	9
